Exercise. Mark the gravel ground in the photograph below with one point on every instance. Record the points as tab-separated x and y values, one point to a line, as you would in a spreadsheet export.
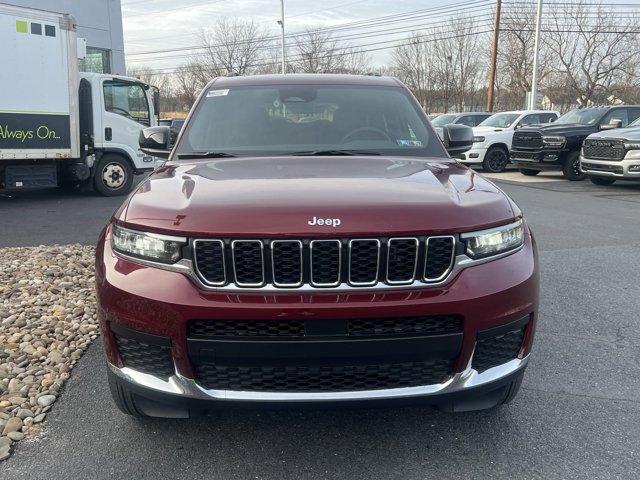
48	319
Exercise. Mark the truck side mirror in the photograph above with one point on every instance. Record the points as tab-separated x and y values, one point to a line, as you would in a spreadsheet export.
457	139
154	141
614	123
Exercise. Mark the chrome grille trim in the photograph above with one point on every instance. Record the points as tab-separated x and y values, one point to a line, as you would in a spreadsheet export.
415	262
350	247
224	262
426	259
233	256
320	284
273	266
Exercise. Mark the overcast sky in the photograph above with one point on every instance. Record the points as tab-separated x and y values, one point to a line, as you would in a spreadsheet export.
161	24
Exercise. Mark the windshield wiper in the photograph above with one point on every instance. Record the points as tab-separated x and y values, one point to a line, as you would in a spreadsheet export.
329	153
194	155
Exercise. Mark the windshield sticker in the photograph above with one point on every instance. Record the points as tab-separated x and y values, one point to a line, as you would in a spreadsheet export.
410	143
217	93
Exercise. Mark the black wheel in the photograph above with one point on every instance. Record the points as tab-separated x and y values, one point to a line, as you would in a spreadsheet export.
514	388
602	180
123	398
571	168
529	172
495	160
113	175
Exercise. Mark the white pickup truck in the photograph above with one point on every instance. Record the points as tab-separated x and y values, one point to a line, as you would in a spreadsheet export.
492	138
61	127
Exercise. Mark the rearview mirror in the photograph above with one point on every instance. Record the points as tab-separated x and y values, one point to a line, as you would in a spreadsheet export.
154	141
457	139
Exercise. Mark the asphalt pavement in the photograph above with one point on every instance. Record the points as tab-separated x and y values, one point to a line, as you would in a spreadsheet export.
577	416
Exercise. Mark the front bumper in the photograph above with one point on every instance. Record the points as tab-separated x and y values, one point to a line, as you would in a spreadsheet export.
537	159
624	169
162	303
473	156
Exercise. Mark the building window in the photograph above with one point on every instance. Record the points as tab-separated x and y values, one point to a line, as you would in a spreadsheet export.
97	60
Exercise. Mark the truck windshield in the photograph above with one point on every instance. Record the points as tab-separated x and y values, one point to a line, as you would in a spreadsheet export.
308	120
500	120
442	120
582	116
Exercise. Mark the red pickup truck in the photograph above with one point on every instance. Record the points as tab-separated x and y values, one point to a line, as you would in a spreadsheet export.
310	240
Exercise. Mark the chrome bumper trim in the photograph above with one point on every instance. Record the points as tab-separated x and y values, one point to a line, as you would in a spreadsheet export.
188	388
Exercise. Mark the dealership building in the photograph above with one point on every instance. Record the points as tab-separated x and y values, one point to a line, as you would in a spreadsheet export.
99	22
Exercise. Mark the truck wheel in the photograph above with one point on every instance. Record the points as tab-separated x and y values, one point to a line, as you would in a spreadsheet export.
602	180
571	168
529	172
113	175
495	160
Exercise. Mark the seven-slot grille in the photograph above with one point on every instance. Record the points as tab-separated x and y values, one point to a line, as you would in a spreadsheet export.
603	149
324	263
527	140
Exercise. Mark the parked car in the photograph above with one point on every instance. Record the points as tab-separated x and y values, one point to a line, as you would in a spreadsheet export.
174	129
612	155
492	138
344	258
557	146
470	119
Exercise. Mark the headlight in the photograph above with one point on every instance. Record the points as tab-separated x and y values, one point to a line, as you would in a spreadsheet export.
632	145
494	240
147	246
556	141
478	139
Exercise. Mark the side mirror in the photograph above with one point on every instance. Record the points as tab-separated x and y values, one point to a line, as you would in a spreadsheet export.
617	123
457	139
154	141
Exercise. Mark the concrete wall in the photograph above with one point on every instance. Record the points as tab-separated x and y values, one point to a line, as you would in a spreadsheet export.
99	21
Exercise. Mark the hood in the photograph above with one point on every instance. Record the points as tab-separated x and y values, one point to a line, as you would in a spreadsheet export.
632	133
560	129
279	196
487	130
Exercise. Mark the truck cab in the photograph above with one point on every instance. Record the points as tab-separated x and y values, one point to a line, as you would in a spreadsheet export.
115	109
557	146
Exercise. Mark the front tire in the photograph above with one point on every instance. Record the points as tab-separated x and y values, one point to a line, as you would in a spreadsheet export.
113	176
495	160
529	172
571	168
123	398
602	180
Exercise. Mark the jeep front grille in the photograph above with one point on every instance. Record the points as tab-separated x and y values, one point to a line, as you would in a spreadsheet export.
324	263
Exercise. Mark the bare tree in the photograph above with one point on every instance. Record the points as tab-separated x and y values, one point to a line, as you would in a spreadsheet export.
234	46
597	52
190	79
411	63
318	52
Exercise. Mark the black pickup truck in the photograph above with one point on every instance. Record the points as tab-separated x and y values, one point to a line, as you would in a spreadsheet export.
556	146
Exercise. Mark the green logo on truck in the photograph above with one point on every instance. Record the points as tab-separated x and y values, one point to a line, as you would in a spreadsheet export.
34	130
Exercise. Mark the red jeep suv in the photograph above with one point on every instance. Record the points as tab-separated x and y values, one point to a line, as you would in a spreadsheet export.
310	240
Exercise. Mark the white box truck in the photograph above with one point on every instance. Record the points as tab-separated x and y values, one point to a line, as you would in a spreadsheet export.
58	126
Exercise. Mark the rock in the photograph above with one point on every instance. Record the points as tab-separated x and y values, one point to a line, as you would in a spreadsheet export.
46	400
5	441
39	418
24	413
5	452
15	385
15	436
13	425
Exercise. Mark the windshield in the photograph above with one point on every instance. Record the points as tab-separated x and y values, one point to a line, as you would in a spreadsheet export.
443	120
500	120
298	119
582	116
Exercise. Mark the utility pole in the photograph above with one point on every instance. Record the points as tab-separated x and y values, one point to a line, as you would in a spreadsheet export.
536	54
494	57
281	22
